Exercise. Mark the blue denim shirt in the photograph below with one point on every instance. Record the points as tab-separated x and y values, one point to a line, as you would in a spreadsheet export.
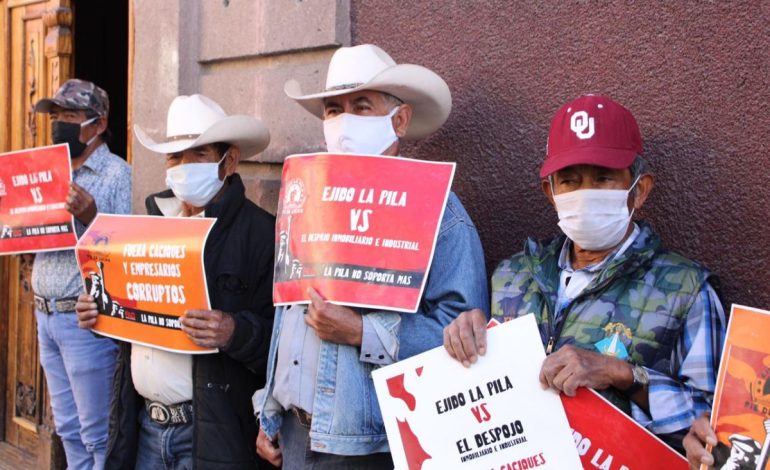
346	415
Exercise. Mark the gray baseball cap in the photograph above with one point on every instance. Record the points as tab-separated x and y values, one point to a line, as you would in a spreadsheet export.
77	94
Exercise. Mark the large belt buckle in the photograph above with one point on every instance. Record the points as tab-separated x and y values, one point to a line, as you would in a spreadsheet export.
42	305
159	412
65	306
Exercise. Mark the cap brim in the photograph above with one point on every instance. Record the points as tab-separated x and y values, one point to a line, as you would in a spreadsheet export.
426	92
246	132
45	105
615	159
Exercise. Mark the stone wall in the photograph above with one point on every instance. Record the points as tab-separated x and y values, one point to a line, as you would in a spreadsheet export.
239	53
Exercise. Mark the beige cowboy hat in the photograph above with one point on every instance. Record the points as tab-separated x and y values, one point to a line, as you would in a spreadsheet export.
367	67
197	120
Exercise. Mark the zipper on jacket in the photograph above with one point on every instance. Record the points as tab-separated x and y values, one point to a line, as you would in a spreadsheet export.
549	348
549	326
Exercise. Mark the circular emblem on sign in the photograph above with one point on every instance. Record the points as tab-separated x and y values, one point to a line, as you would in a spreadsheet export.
294	197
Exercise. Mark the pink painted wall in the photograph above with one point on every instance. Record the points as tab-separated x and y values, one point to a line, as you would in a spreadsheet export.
695	74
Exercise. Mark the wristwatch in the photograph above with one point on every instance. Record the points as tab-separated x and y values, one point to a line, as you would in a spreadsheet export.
640	380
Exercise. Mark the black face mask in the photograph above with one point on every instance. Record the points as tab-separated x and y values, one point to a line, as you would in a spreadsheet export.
68	133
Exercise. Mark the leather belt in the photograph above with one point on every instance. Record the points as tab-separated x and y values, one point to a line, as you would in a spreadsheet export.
303	416
169	415
63	305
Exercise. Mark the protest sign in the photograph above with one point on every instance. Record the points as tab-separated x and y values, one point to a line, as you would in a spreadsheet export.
741	412
144	273
493	415
608	439
360	229
33	190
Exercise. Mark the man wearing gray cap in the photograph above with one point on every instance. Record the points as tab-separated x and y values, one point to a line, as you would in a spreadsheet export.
78	365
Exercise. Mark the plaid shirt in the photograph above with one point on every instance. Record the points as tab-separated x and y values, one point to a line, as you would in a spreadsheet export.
107	178
675	401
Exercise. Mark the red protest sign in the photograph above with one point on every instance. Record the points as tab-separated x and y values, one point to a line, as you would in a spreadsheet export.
608	439
360	229
33	189
144	272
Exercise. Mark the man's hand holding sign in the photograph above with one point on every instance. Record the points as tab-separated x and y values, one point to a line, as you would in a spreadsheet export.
81	204
570	367
331	322
208	328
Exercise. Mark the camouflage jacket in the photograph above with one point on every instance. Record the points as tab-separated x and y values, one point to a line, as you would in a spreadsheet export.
647	291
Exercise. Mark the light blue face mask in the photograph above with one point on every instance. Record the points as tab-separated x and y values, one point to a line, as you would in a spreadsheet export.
195	183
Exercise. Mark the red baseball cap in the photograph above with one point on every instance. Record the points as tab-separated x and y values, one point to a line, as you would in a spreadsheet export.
592	130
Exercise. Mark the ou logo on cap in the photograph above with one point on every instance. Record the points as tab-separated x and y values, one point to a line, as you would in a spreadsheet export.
582	125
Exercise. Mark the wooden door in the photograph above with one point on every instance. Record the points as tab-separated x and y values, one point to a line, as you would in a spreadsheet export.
36	46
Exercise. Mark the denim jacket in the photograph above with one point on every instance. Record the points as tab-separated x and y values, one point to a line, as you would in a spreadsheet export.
346	415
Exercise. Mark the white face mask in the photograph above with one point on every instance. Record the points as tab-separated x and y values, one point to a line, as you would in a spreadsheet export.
195	183
86	123
349	133
594	219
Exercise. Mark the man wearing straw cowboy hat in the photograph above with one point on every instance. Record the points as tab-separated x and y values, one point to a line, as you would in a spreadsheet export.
319	407
194	411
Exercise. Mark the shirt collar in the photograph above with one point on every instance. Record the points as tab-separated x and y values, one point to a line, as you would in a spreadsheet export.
172	207
565	264
169	206
98	159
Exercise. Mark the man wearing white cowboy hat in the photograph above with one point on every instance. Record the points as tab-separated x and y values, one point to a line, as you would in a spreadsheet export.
319	406
194	410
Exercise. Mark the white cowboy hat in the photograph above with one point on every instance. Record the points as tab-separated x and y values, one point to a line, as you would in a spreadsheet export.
197	120
367	67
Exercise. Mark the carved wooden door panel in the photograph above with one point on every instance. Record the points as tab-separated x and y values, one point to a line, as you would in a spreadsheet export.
36	46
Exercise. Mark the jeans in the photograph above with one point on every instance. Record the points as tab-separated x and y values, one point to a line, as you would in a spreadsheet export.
164	447
295	448
78	368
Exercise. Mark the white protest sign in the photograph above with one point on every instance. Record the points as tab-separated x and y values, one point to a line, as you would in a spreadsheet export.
494	415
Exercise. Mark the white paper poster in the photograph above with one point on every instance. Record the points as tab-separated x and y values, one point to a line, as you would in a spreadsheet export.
494	415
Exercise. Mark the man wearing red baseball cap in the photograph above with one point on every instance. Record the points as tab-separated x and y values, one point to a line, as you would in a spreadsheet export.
616	310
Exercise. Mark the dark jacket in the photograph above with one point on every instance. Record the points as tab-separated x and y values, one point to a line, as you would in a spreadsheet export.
238	260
